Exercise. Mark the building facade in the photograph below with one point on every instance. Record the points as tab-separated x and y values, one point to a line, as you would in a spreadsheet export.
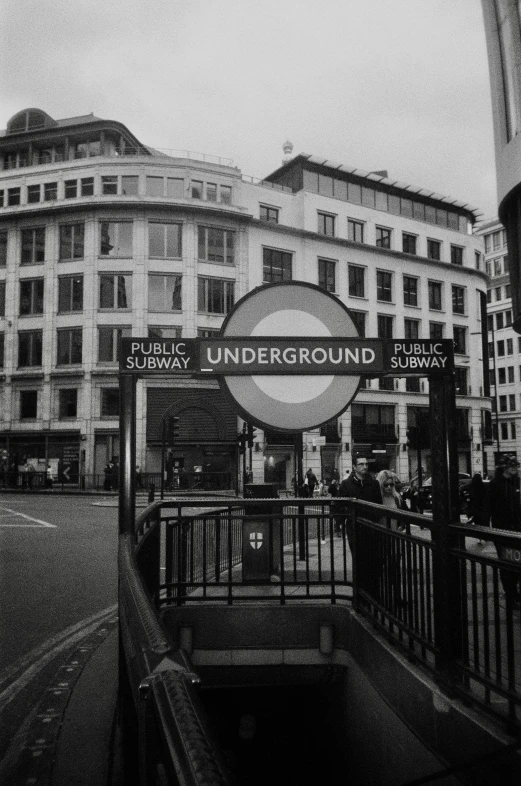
103	237
503	433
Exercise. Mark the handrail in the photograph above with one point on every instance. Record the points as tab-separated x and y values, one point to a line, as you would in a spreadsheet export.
394	583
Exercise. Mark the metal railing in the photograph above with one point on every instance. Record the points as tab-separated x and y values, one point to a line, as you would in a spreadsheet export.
443	607
189	481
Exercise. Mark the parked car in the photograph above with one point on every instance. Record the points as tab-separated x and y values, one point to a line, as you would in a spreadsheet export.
463	483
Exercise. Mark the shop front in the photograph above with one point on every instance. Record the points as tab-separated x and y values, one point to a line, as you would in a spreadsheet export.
38	450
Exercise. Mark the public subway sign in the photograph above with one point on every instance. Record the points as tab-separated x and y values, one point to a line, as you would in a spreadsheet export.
295	355
289	356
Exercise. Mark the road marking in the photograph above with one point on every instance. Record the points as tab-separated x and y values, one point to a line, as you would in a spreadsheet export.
38	658
17	513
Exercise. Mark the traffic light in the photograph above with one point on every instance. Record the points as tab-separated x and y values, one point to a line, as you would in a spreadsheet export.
242	439
172	430
252	433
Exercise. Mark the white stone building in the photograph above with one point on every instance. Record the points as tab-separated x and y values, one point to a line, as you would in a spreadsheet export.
102	236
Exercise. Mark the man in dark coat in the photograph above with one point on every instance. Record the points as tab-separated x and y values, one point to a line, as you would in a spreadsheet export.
358	484
505	509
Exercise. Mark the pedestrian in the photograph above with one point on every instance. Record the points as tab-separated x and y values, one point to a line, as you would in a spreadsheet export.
109	475
358	484
30	474
505	511
393	552
139	477
334	483
478	508
310	481
49	477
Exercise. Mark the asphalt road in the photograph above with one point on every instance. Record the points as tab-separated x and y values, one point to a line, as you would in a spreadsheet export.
58	594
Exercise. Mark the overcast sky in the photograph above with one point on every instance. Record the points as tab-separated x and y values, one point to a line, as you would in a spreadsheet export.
400	85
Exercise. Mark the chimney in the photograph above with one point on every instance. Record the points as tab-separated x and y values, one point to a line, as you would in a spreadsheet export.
287	149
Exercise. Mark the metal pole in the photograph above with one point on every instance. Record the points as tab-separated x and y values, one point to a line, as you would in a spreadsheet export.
163	441
447	581
127	462
301	508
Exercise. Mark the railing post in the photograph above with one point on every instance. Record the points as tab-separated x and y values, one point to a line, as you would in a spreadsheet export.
447	579
127	462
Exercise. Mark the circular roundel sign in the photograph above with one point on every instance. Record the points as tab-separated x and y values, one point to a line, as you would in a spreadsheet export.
290	402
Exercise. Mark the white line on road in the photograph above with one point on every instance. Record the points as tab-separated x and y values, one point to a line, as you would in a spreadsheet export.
42	655
25	516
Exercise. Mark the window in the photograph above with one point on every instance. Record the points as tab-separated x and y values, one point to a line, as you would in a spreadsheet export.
458	300
491	377
356	281
109	184
512	430
456	255
211	192
412	385
67	403
384	281
508	318
510	373
433	249
268	213
175	187
460	378
512	402
226	195
69	346
215	296
164	292
2	349
50	191
3	249
500	349
409	243
108	343
358	318
109	402
31	296
115	291
116	239
434	288
13	196
510	346
163	332
33	246
28	404
496	240
383	237
71	189
276	265
386	383
502	403
460	340
29	348
385	326
489	296
499	320
70	294
497	293
477	260
371	420
87	186
208	332
326	224
411	328
355	231
130	185
72	242
197	189
410	291
2	299
504	430
155	186
164	240
326	274
216	245
33	193
436	330
498	268
501	376
87	149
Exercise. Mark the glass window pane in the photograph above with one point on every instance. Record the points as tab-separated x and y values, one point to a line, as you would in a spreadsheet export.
156	293
106	292
175	187
155	186
130	184
156	240
173	240
124	297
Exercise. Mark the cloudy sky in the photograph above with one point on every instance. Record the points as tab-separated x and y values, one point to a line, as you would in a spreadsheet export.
400	85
